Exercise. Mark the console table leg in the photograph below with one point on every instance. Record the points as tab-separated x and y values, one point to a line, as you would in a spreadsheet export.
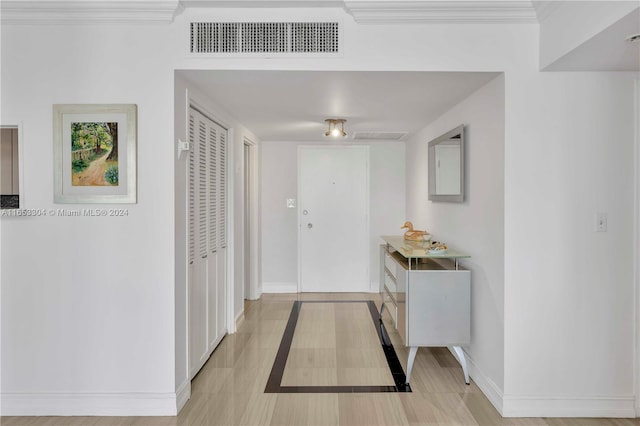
382	309
412	357
463	362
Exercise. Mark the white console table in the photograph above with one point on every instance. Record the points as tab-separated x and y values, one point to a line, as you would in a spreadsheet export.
428	297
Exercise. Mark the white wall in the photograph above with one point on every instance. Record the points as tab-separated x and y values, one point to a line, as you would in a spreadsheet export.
88	302
571	23
569	310
279	165
280	224
475	226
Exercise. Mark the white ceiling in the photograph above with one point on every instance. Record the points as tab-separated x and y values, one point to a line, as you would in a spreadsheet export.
607	50
292	105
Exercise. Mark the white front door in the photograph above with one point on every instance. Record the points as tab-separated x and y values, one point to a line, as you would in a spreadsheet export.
333	209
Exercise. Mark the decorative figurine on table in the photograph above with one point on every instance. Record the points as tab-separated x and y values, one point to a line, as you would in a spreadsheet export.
437	247
414	234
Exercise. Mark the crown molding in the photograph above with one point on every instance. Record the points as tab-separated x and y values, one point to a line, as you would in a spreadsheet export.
262	3
363	11
456	11
88	11
545	8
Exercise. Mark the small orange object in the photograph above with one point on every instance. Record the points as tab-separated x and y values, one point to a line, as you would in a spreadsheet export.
413	234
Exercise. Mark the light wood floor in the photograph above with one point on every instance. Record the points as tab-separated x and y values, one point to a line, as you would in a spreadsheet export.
336	344
229	390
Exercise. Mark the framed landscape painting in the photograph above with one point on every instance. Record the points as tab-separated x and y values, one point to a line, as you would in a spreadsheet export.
94	153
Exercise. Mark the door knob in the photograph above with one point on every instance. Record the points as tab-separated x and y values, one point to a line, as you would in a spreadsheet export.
309	225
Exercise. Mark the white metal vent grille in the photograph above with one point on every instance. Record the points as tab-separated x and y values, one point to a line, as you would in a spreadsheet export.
380	136
265	37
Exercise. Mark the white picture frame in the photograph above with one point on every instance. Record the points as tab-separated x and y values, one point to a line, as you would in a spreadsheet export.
86	168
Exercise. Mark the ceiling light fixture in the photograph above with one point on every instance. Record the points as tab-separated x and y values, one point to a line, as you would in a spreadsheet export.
336	127
633	38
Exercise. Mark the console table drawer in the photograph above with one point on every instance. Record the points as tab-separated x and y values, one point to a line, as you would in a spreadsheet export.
390	305
391	265
390	285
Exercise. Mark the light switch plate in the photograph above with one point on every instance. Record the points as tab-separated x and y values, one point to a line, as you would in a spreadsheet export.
291	203
601	222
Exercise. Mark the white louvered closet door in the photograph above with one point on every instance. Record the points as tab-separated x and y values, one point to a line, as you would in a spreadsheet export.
207	223
221	234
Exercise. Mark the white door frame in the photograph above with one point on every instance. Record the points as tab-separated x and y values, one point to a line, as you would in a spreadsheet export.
368	197
21	191
252	286
636	250
231	319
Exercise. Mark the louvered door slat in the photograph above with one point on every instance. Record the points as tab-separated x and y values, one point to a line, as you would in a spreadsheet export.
192	183
213	188
202	190
222	185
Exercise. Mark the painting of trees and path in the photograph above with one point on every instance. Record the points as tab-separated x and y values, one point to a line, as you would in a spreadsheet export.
94	154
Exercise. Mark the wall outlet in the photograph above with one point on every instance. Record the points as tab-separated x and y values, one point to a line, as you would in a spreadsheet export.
291	203
601	222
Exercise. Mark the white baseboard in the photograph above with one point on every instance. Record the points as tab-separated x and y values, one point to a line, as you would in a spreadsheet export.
183	394
537	406
239	319
275	287
255	295
88	404
550	406
490	389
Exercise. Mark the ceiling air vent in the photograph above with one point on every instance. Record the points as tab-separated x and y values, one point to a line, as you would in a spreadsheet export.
379	136
264	37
